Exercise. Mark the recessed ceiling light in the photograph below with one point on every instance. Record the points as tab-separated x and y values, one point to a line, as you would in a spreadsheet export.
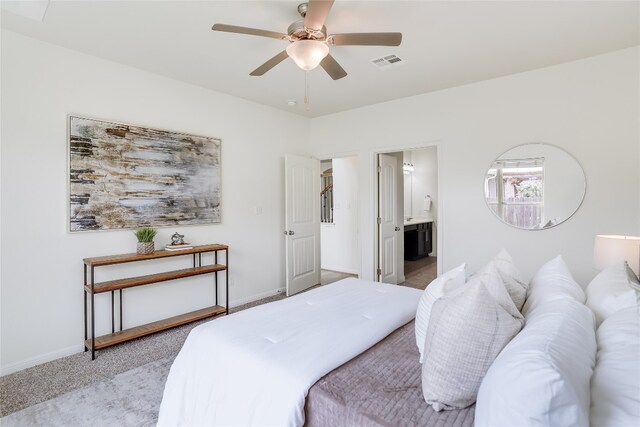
292	102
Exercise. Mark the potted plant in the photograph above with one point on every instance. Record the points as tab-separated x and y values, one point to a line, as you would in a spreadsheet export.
145	237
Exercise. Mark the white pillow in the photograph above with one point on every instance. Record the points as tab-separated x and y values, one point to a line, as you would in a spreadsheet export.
615	384
552	281
466	333
505	265
541	378
611	291
439	287
508	272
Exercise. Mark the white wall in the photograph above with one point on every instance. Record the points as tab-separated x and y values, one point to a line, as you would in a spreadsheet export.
325	165
41	269
339	240
588	107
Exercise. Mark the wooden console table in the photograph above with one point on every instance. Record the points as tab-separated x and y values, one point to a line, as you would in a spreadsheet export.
91	288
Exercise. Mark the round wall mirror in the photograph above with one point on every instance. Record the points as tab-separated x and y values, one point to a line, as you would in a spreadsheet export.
534	186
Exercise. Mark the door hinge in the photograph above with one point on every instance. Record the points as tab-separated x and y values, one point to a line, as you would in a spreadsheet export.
379	220
379	272
379	169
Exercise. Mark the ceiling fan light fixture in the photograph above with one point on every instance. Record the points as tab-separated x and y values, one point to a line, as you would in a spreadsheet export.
307	54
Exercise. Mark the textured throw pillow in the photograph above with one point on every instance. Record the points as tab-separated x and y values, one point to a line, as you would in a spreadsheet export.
541	378
443	285
503	265
552	281
466	333
611	291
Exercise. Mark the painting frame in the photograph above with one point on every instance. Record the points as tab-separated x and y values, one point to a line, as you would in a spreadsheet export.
189	195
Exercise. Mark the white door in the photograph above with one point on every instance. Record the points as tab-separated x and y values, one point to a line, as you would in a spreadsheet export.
388	226
302	222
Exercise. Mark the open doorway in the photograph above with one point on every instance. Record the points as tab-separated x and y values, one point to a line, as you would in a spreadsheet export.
339	247
420	185
407	217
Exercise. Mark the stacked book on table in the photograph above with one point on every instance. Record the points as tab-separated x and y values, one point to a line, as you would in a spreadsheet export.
181	247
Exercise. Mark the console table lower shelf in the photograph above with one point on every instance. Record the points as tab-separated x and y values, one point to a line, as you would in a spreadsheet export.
108	340
92	288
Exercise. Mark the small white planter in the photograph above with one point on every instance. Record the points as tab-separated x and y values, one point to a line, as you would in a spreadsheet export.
145	248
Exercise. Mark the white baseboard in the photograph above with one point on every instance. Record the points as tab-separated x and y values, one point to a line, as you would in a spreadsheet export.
256	297
43	358
48	357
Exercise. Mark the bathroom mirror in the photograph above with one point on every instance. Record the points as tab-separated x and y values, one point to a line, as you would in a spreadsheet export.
534	186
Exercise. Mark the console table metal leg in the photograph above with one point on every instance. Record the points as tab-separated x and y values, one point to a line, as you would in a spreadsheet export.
93	317
215	276
84	300
120	310
113	314
226	277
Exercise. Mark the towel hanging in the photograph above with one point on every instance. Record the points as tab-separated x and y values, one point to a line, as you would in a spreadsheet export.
427	203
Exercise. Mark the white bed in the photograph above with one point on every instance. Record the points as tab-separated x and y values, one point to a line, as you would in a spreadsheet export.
255	367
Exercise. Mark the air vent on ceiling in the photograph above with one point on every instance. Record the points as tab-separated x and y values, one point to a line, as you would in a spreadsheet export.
387	61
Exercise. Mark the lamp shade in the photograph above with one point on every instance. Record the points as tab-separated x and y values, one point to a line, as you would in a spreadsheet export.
307	54
610	249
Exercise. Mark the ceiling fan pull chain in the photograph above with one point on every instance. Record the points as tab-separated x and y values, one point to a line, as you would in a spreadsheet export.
306	90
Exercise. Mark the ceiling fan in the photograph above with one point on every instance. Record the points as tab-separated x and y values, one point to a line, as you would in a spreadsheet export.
309	40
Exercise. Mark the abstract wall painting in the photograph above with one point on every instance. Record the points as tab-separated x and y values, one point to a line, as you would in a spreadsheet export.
123	176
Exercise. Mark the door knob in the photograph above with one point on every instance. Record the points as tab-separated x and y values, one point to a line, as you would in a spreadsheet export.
397	228
291	233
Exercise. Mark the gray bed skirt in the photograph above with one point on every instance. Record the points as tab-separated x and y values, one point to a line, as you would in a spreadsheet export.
381	387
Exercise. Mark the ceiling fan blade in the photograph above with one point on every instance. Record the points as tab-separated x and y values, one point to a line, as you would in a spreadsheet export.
367	39
244	30
270	64
332	67
317	11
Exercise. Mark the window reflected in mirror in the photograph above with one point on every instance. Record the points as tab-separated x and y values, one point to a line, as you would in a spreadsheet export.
514	190
534	186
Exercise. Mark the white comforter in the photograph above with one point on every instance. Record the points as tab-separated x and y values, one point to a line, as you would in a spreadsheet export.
255	367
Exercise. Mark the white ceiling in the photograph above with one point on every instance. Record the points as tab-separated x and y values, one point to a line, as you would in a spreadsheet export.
445	44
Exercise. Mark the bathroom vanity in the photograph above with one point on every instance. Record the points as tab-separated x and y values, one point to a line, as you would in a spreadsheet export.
418	238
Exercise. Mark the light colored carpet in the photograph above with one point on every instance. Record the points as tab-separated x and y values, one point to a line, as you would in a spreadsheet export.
43	382
46	381
122	387
131	398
